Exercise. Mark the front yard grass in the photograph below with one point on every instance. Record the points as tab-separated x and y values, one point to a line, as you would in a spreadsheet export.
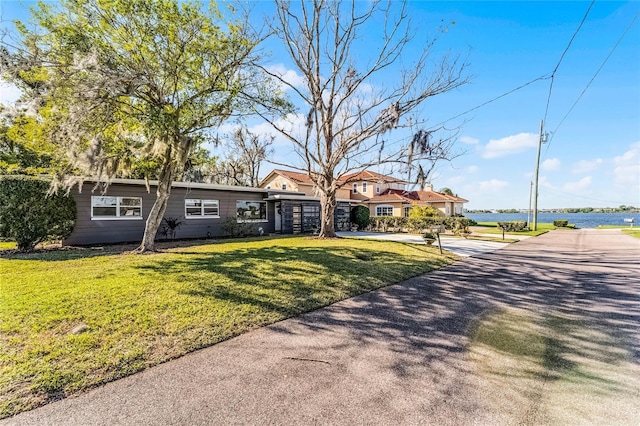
492	228
73	319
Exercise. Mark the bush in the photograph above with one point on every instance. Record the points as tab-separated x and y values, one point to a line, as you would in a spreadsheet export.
513	226
29	215
360	216
234	229
416	225
170	226
560	223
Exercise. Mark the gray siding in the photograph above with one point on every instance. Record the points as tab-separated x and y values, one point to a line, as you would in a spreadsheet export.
106	231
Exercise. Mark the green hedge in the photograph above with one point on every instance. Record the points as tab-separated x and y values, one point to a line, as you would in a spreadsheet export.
561	223
29	215
513	226
417	225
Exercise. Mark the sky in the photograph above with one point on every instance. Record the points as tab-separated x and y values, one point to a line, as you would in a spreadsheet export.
591	108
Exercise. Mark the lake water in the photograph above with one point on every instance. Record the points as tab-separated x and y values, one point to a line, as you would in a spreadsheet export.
581	220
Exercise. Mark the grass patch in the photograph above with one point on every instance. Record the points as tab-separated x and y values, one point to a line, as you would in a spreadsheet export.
141	310
492	228
632	232
8	245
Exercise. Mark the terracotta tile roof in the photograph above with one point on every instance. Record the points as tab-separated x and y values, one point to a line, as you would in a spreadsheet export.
370	176
412	196
294	176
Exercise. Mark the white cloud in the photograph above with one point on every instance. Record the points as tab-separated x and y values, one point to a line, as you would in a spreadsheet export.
580	185
586	166
288	75
469	140
493	185
550	164
8	93
510	145
627	167
472	169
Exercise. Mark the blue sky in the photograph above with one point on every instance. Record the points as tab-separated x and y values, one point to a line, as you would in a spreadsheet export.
592	157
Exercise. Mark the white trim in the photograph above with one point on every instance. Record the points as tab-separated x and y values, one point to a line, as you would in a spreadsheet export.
384	207
355	188
117	207
202	207
364	187
266	212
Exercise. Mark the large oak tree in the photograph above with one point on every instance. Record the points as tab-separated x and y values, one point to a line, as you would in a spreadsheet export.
125	81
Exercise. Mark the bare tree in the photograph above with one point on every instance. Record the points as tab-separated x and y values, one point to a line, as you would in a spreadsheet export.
251	151
241	165
347	113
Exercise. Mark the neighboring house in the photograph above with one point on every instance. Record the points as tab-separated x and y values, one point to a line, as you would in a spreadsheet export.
394	202
384	195
119	213
286	180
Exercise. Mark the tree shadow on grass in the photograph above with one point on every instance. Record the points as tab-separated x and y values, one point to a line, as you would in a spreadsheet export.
289	280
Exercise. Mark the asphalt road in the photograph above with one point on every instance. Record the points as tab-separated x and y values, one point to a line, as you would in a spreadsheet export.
544	331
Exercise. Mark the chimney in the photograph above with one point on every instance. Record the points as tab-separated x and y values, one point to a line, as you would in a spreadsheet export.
428	186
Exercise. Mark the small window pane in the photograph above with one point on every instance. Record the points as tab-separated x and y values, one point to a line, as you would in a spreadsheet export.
128	201
104	211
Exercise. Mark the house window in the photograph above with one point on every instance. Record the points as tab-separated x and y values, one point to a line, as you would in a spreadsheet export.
251	211
447	210
197	208
116	208
377	188
406	211
384	211
364	187
284	186
355	188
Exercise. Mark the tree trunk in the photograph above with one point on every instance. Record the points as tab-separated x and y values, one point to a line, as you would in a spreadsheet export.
327	211
157	211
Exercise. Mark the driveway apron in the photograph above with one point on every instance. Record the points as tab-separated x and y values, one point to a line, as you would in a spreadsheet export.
544	331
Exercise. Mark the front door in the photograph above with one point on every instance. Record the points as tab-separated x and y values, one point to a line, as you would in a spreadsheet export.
278	217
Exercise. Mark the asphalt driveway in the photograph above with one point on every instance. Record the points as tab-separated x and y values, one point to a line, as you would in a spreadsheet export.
545	331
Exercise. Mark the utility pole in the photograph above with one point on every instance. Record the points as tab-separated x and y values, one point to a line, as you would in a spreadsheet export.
529	211
542	139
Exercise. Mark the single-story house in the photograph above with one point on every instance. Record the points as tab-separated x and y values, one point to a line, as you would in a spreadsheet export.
119	213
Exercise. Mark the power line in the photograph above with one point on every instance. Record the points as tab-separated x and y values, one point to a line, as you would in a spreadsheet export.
597	72
553	73
606	59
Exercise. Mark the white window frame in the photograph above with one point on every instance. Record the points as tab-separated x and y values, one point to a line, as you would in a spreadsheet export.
406	211
203	206
384	206
266	212
377	188
95	198
284	186
355	188
364	187
447	209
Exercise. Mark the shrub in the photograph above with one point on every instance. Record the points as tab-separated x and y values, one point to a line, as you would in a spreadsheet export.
513	226
234	229
360	216
422	212
417	224
170	226
29	215
560	223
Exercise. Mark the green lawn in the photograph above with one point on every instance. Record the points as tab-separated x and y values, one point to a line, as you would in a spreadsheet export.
632	232
140	310
492	228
